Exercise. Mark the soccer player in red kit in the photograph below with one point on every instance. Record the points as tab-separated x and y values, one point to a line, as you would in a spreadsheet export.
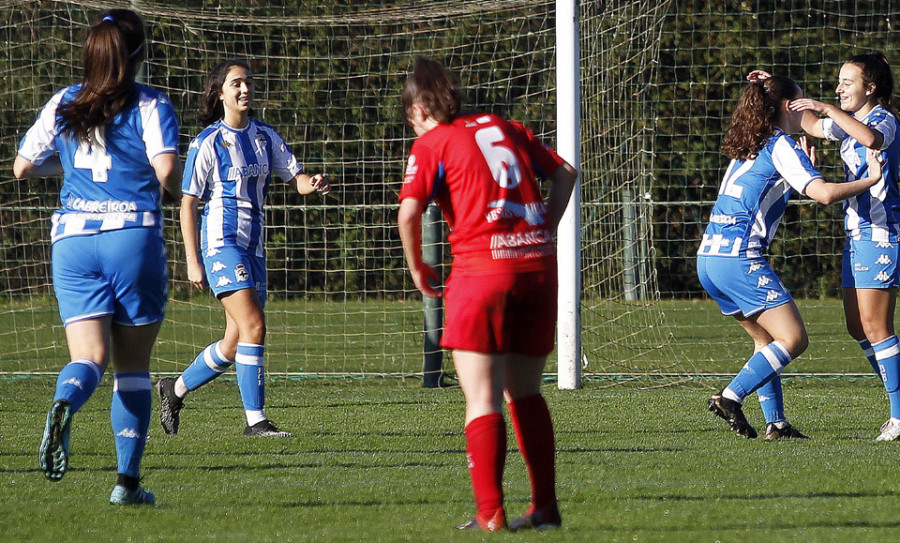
501	294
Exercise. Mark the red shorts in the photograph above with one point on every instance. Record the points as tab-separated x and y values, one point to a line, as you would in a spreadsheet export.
501	313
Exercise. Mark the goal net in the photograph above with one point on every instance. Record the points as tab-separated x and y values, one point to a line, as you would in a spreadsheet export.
658	82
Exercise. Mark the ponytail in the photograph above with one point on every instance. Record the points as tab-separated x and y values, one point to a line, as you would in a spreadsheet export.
113	50
753	121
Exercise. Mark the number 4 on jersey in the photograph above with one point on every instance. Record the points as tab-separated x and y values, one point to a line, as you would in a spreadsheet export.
92	156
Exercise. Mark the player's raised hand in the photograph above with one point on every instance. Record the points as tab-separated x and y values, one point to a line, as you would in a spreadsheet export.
808	150
808	104
320	183
758	75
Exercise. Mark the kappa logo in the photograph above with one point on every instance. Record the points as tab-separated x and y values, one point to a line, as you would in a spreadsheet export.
884	260
212	252
217	266
884	245
883	276
241	273
130	433
755	267
223	281
74	381
763	281
772	296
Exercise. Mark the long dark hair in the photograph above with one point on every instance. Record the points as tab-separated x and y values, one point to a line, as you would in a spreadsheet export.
753	121
213	109
113	50
876	70
433	86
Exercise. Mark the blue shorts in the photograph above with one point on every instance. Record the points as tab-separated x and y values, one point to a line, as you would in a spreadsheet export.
870	264
118	272
230	268
741	285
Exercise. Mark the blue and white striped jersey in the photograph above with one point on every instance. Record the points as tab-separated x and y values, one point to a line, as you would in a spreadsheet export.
230	170
753	196
875	214
108	184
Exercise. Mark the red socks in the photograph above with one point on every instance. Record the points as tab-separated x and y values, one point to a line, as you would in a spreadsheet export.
486	455
534	435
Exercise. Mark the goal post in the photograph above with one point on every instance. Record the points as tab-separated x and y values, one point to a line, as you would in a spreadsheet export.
568	137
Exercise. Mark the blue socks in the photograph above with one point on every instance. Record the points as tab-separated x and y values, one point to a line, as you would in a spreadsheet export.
870	355
130	417
759	370
77	381
208	365
887	353
771	400
251	380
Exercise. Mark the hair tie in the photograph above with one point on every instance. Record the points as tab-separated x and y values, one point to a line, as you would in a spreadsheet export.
136	51
109	18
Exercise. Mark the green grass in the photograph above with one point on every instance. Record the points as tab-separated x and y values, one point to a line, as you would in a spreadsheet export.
382	460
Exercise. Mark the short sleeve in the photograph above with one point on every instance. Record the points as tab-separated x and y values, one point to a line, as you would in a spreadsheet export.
792	164
284	163
422	178
39	142
885	123
160	125
832	131
198	166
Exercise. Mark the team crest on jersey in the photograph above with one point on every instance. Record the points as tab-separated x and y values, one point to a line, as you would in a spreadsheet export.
223	281
261	144
763	281
241	274
755	267
772	296
217	266
884	260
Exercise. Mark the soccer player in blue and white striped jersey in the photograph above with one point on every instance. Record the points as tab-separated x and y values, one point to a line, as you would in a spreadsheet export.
229	167
115	143
865	120
766	165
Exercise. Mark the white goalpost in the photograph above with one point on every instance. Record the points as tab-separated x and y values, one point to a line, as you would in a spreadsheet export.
568	138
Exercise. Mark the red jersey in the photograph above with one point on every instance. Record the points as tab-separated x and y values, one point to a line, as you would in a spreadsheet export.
481	170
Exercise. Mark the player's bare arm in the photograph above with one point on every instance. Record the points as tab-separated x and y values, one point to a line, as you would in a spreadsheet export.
307	184
563	182
168	171
24	168
812	123
827	193
409	222
189	232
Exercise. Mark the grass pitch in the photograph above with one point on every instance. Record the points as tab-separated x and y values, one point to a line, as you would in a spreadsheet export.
382	460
